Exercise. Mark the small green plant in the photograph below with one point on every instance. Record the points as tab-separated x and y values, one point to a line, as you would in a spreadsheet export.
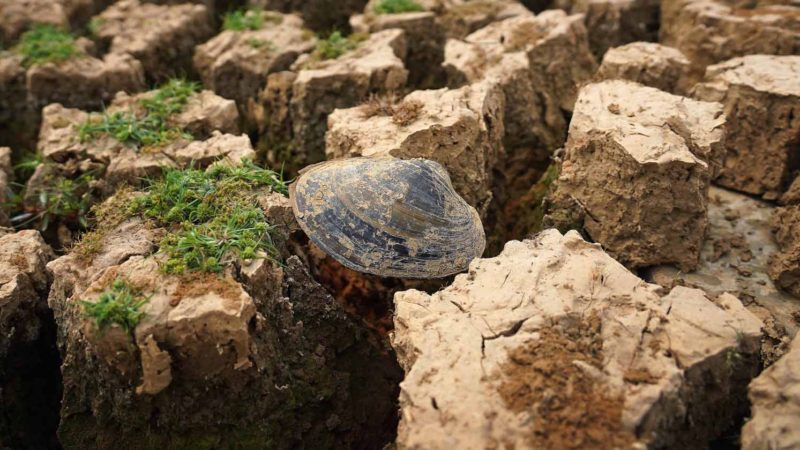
148	128
397	6
46	43
336	45
94	25
259	43
61	198
241	20
28	162
119	304
732	358
212	216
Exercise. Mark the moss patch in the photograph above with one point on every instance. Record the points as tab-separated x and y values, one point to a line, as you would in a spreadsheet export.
243	20
336	45
107	216
212	217
46	43
397	6
119	304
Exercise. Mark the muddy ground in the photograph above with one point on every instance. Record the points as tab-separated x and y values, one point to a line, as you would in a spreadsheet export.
633	165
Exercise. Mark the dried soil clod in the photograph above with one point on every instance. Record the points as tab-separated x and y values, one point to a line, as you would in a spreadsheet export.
215	339
761	94
472	380
612	23
653	160
710	32
235	64
520	54
460	129
740	238
204	115
784	265
87	156
65	73
163	45
321	16
425	40
18	15
646	63
463	18
296	104
776	405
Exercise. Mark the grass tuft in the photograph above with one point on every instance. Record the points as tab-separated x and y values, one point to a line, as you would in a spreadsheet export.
336	45
119	304
28	162
46	43
150	127
212	216
397	6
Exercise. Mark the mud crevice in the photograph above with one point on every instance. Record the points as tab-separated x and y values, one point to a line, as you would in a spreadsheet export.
30	390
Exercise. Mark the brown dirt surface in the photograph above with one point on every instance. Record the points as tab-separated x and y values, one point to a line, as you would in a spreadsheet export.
195	284
403	113
571	410
407	112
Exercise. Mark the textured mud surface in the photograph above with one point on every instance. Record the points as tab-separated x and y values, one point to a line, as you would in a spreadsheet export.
463	348
735	259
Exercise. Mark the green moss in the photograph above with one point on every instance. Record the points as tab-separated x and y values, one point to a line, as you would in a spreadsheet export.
397	6
119	304
107	216
243	19
336	45
170	97
46	43
212	216
151	127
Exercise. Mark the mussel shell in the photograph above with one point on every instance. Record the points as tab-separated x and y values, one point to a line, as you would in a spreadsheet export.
389	217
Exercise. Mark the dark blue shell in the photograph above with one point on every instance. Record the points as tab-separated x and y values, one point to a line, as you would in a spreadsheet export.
389	217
